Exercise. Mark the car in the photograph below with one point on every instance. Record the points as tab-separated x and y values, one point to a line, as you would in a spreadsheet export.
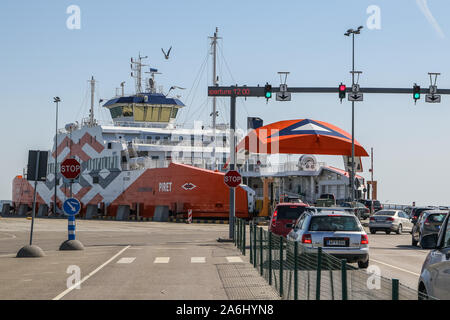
284	217
368	203
339	233
434	280
390	220
416	211
358	209
326	200
429	222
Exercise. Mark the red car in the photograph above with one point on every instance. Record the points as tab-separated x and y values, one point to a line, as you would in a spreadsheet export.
284	217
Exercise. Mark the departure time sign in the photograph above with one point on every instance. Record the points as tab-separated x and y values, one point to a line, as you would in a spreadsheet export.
236	91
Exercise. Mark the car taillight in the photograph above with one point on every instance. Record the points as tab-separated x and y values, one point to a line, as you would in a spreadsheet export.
427	222
390	219
274	218
306	238
372	219
364	239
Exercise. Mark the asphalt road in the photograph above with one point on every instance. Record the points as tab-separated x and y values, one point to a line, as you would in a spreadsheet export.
126	260
151	260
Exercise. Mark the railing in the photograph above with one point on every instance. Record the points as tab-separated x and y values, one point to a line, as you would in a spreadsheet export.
298	274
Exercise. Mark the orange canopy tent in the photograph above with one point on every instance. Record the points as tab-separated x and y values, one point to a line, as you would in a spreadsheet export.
302	136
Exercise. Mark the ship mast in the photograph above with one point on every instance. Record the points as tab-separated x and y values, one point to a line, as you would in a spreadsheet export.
91	110
215	82
136	66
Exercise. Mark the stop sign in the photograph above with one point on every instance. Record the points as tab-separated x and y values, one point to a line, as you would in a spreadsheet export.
232	179
70	168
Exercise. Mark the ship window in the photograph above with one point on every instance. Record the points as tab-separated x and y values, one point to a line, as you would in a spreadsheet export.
157	137
116	112
124	159
109	145
155	157
127	111
174	113
95	179
166	138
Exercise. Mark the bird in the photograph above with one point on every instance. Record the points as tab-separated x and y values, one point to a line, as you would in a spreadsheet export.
174	87
166	55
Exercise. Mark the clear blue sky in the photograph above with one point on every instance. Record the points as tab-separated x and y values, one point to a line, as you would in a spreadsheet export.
41	58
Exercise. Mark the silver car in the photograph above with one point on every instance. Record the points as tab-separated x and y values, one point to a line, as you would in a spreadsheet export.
390	221
339	233
434	278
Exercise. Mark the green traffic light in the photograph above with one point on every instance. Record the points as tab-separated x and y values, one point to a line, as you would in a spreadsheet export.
268	95
416	95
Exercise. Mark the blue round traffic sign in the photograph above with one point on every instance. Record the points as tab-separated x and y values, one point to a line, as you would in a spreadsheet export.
71	206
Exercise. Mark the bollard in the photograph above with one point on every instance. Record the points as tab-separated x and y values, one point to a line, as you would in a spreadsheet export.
295	270
319	272
395	285
270	258
344	278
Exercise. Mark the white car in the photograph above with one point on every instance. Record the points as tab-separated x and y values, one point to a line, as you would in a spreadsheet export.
390	221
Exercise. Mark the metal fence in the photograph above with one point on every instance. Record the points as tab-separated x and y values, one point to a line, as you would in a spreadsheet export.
298	274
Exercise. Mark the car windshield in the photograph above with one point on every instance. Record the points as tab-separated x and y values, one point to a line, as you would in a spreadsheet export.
385	213
345	204
334	223
290	212
436	217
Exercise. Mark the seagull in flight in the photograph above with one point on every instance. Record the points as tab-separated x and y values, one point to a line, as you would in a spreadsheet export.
174	87
166	55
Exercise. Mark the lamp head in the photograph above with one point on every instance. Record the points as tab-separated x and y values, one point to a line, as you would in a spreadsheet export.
56	99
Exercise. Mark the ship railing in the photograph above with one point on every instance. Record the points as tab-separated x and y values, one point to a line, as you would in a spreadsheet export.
275	168
181	143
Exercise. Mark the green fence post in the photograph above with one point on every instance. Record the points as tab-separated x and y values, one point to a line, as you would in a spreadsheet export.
239	234
235	231
295	270
250	226
344	278
244	237
395	285
261	250
255	228
319	272
270	258
281	266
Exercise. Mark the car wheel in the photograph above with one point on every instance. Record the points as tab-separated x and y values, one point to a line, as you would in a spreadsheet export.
388	232
400	229
372	231
423	294
363	264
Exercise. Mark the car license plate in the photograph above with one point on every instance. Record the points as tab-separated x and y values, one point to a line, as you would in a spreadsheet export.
336	243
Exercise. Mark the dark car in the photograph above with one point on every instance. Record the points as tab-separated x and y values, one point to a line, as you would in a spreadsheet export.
284	217
429	222
377	206
434	281
416	211
358	209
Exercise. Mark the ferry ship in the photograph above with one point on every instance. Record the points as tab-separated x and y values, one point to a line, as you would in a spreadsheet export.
145	164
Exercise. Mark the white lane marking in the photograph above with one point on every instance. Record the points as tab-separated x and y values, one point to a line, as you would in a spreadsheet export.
198	259
9	255
234	259
62	294
10	236
126	260
161	260
390	265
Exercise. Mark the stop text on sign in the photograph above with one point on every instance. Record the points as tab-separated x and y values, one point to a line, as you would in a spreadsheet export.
70	168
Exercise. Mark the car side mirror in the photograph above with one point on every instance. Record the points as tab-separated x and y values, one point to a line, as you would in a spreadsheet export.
429	241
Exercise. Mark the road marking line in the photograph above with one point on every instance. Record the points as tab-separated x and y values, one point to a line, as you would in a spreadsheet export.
389	265
198	259
126	260
58	297
234	259
161	260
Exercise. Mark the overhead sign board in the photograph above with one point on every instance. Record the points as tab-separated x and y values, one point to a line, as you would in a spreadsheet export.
355	97
283	96
433	98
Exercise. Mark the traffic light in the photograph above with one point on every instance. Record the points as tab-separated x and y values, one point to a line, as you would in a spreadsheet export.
268	91
416	92
342	89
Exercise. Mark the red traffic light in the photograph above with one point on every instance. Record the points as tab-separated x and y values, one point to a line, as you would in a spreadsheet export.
342	87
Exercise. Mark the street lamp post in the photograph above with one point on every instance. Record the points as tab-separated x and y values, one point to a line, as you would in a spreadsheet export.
352	172
56	100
